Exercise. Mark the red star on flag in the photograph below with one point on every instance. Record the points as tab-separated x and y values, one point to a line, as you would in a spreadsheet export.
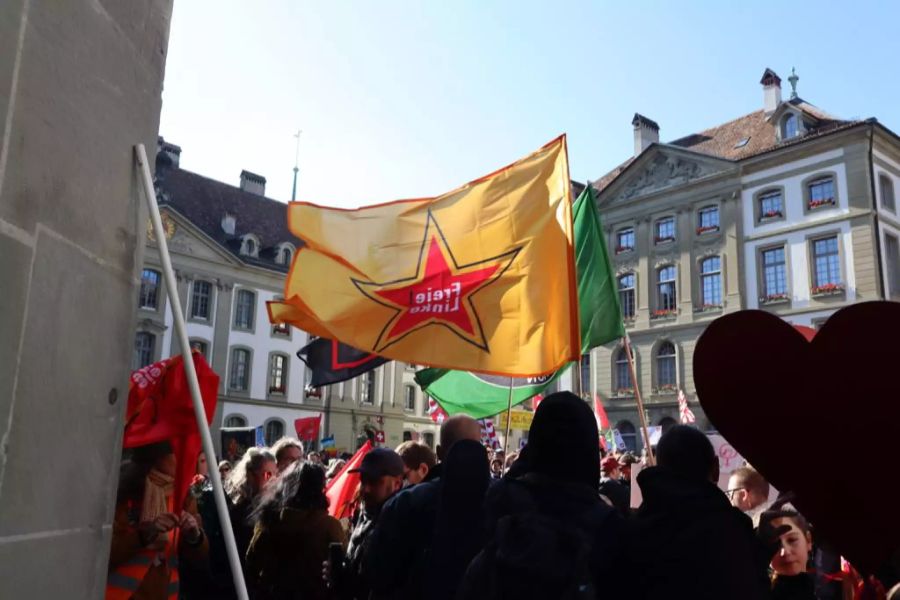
440	293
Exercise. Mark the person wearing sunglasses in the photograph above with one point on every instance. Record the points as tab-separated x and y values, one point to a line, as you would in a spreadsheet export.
747	490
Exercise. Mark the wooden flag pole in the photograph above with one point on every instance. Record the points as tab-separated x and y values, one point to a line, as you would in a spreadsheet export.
640	402
508	419
191	373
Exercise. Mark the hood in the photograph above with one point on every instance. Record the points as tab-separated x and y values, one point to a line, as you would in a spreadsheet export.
665	491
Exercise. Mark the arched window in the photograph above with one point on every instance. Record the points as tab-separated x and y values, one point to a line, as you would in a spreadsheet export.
407	436
667	423
428	439
274	431
629	435
244	310
666	372
285	254
201	346
201	300
711	281
623	382
665	284
235	421
626	295
887	193
249	245
790	127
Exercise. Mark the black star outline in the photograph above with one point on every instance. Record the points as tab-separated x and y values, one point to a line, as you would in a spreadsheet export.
361	285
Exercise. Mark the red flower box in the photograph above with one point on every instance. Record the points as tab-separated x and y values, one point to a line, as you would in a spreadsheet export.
668	238
708	228
659	314
822	202
769	214
773	298
621	249
828	288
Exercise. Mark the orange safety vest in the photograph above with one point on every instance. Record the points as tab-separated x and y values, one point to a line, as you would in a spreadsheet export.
123	581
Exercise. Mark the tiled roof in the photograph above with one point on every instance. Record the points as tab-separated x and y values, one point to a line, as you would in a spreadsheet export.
744	137
204	202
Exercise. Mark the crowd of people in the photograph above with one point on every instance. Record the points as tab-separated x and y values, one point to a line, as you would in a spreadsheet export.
467	522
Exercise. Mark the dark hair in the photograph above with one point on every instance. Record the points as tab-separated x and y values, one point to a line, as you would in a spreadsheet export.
688	452
301	485
415	454
136	464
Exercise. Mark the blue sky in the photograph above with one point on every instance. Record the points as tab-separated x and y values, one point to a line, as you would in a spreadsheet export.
411	99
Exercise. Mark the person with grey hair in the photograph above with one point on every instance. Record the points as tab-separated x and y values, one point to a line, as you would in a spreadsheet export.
287	451
245	482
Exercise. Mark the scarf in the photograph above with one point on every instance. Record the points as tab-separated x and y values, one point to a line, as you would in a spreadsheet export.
157	488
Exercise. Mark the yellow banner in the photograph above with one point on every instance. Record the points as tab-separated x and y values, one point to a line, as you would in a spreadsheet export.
479	279
520	420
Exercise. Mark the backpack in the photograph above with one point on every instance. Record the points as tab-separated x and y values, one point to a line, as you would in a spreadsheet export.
532	555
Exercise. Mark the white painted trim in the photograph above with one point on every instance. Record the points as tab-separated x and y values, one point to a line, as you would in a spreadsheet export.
790	166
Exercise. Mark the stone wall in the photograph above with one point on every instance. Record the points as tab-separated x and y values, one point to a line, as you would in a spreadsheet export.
80	84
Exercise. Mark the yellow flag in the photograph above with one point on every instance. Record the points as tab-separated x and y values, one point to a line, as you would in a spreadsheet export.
479	279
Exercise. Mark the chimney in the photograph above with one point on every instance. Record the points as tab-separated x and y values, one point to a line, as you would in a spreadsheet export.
170	153
771	83
646	132
253	183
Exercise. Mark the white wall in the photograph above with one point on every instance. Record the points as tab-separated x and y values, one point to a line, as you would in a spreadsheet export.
793	194
262	343
797	254
891	216
258	415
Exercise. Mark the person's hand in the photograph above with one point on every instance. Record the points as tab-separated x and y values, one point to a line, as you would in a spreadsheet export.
189	527
150	531
769	535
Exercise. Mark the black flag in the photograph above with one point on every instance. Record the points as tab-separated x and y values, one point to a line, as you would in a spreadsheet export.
333	362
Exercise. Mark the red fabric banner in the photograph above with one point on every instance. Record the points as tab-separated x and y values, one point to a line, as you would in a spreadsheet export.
308	428
342	488
160	409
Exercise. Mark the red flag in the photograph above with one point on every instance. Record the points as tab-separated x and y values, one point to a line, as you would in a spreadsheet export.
308	428
342	488
160	409
536	401
600	413
687	415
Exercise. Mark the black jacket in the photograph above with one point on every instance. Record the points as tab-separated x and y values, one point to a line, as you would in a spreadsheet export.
618	494
689	542
397	551
795	587
350	581
567	503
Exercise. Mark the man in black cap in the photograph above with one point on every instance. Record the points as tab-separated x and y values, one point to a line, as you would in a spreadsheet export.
381	475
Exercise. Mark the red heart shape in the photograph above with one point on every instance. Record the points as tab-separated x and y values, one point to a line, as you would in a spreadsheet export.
819	418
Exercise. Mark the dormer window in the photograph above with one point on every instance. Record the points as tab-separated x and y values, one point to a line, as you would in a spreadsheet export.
790	126
249	246
285	254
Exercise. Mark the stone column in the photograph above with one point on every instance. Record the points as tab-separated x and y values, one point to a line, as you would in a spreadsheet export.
80	84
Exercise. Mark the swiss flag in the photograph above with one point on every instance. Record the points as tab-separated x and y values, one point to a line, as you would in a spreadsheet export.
160	409
342	488
308	428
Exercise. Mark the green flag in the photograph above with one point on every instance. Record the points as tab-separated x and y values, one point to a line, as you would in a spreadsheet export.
598	298
601	321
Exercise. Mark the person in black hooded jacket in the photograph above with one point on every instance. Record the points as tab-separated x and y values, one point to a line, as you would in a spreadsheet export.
687	541
550	535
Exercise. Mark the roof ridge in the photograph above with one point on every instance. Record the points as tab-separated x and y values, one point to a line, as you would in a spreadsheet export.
225	184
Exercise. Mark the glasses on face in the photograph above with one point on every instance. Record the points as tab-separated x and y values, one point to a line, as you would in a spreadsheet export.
732	491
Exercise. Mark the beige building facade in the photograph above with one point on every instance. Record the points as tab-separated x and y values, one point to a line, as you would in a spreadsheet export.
787	209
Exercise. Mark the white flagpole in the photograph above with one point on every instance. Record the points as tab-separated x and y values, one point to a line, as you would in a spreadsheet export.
191	373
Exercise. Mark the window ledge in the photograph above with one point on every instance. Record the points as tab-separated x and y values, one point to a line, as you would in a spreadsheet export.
629	321
624	393
826	292
778	216
660	241
820	204
664	315
623	250
770	300
701	231
665	391
708	308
